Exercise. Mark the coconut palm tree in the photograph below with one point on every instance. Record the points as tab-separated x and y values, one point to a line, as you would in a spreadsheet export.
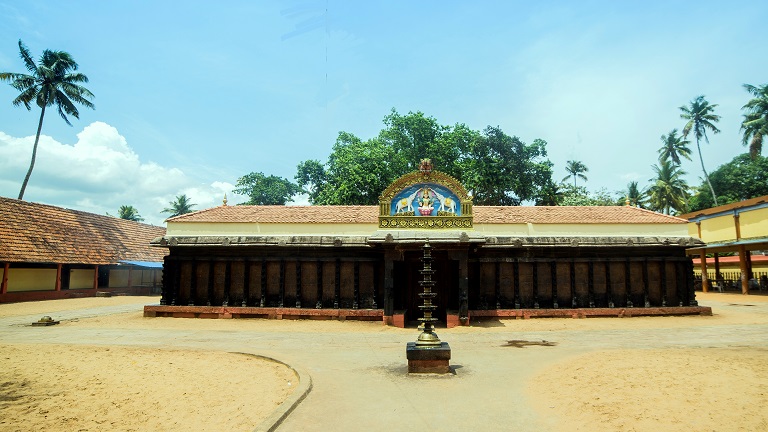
550	194
575	169
700	115
755	124
634	195
181	205
669	190
129	212
52	81
674	147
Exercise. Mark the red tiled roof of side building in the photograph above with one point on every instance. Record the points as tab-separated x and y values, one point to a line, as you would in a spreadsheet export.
40	233
482	215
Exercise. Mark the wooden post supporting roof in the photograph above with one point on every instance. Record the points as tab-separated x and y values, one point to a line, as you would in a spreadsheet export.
58	277
744	269
704	279
95	277
4	285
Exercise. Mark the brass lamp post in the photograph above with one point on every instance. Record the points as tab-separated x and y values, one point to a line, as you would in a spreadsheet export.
428	337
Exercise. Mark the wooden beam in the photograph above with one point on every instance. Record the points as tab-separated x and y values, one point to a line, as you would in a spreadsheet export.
95	277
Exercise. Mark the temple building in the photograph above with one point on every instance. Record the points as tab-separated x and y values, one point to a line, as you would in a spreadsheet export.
363	262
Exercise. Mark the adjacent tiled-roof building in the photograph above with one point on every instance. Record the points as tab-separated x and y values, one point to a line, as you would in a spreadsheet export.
45	250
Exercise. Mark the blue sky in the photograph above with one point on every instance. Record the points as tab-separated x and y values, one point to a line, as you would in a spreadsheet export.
190	96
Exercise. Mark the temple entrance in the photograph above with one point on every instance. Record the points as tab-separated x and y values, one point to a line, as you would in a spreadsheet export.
407	288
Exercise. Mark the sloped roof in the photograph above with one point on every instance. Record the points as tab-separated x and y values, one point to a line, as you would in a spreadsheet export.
482	215
39	233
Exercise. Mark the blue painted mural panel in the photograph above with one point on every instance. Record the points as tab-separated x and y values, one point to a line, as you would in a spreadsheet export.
425	199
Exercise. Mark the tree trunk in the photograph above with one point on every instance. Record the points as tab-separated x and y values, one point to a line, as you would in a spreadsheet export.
34	155
706	176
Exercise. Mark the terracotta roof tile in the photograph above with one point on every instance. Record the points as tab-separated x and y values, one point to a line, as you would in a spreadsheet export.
31	232
483	215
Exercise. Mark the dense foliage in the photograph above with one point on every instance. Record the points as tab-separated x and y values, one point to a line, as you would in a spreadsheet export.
741	178
496	168
265	190
181	205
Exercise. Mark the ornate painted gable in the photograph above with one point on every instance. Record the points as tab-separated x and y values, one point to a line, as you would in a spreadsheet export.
425	199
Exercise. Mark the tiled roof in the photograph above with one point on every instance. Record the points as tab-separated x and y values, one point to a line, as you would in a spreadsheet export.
39	233
483	215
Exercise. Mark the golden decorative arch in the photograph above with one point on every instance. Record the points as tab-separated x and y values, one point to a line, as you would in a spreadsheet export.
443	221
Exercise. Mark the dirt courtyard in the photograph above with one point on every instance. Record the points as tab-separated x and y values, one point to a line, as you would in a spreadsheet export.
99	371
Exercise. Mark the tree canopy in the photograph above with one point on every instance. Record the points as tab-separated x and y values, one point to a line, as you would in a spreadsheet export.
741	178
129	212
181	205
265	190
51	81
755	124
496	168
701	117
575	170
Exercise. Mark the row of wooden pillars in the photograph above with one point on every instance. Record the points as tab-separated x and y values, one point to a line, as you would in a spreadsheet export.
745	267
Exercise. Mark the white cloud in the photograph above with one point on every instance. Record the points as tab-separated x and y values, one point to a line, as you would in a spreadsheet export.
99	173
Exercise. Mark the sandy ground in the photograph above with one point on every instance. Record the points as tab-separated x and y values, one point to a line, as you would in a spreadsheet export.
93	388
88	388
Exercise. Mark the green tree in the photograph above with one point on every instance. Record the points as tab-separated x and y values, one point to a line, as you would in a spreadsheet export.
181	205
634	195
129	212
674	147
701	117
755	124
740	179
551	194
312	178
575	169
669	190
265	190
579	196
52	81
502	170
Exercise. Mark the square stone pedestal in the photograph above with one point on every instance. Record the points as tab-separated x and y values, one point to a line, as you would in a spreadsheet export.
428	359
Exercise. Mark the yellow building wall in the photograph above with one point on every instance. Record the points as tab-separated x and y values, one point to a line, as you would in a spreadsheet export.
118	278
585	230
22	279
754	223
718	229
81	278
245	229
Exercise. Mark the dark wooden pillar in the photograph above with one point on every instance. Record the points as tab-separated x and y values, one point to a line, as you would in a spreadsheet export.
337	284
535	284
246	282
553	281
608	286
176	282
96	277
628	282
356	288
130	277
319	285
389	283
663	276
646	299
574	297
375	284
298	283
227	281
193	286
209	285
281	282
462	256
263	284
591	283
516	283
497	284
